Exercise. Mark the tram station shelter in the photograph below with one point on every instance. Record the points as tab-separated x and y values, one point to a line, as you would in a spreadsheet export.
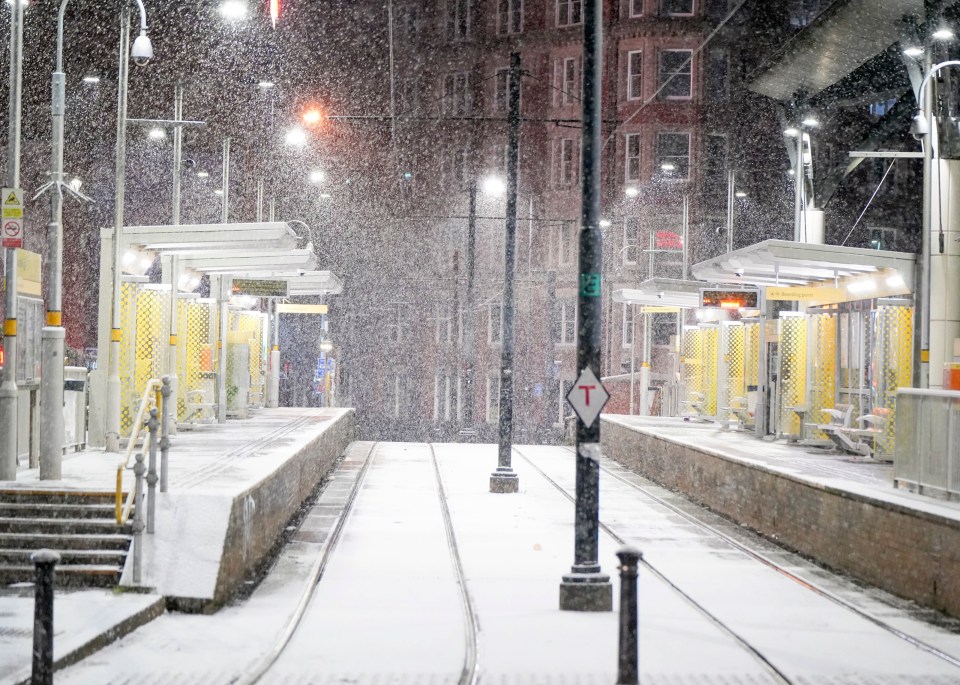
214	344
820	356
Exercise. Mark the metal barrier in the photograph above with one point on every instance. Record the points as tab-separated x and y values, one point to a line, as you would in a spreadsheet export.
927	457
75	407
151	398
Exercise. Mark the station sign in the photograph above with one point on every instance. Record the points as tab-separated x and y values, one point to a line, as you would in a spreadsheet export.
588	397
729	299
11	218
257	287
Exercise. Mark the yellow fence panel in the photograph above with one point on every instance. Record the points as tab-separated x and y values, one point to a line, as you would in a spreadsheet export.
792	382
143	318
711	369
822	367
894	369
691	371
198	359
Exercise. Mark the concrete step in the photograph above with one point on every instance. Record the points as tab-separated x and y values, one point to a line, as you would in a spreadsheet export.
43	496
81	575
68	557
118	540
59	525
28	510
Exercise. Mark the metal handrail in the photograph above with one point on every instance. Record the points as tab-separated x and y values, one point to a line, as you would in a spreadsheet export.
152	388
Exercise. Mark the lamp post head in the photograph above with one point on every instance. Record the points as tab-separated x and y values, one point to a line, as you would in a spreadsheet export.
142	50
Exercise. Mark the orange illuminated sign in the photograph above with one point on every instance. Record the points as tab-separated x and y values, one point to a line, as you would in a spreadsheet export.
729	299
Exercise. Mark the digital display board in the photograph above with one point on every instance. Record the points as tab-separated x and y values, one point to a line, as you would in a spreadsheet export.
729	299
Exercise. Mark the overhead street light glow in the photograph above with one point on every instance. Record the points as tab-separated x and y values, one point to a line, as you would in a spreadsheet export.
156	133
631	191
317	176
943	33
266	84
493	185
91	79
296	137
233	10
312	116
913	51
810	122
202	174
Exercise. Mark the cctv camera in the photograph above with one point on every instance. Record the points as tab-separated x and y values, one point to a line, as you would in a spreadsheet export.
142	50
189	164
919	127
738	273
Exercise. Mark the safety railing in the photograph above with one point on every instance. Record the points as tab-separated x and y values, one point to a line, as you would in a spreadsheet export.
151	398
927	457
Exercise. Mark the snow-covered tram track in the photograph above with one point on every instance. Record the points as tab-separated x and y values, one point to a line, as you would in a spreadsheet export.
847	634
778	675
316	573
807	583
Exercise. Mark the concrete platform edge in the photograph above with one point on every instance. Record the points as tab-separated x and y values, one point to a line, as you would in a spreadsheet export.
253	529
913	554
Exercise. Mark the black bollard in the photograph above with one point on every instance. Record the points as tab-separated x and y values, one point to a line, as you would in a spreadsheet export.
44	560
627	668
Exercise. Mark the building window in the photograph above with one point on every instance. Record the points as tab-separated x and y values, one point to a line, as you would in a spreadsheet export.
509	16
458	19
718	74
676	8
676	74
395	328
408	96
566	162
569	12
566	80
565	322
631	241
636	8
442	397
627	324
456	168
501	92
803	12
495	323
457	100
715	162
564	409
493	398
631	166
397	395
673	155
567	243
444	325
634	74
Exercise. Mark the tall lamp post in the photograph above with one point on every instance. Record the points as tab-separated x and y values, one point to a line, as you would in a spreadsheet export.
53	334
586	588
504	479
142	51
8	387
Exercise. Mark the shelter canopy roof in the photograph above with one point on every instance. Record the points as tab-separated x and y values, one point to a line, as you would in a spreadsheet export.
847	35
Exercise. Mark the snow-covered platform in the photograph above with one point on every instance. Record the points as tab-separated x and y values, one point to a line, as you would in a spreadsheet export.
841	510
232	489
408	570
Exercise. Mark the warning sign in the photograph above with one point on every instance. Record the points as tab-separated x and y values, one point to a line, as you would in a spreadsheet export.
588	396
11	218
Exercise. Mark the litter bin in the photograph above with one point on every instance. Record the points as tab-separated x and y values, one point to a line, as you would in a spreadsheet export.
75	407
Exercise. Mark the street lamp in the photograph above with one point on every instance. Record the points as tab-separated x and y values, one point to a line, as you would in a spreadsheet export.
141	52
233	10
296	137
52	345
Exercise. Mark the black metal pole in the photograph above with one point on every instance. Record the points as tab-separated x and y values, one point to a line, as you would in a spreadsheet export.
468	320
585	588
627	660
504	479
44	561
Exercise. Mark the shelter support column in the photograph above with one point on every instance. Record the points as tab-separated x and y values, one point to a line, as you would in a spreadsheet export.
96	421
944	305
